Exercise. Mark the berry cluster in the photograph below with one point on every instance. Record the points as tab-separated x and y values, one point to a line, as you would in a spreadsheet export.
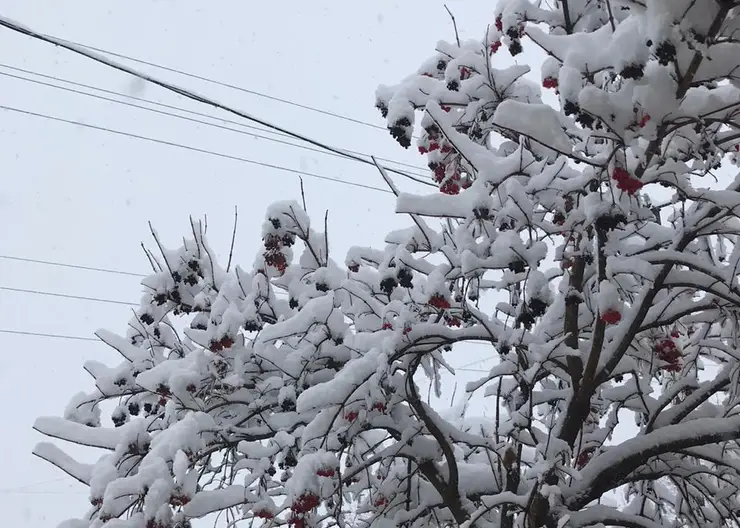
275	241
625	181
584	457
401	132
665	53
380	501
515	34
633	71
550	82
438	301
667	351
217	345
611	316
453	183
325	472
264	513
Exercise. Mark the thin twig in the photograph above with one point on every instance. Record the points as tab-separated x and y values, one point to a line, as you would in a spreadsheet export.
566	18
326	235
233	239
611	15
161	249
303	194
454	25
148	256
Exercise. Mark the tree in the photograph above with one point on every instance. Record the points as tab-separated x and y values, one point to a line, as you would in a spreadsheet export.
591	242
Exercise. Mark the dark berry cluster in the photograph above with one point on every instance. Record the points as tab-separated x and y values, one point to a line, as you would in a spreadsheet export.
401	132
633	71
665	53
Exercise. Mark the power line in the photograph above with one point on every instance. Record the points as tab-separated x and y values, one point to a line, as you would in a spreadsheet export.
476	362
195	149
73	266
185	110
32	485
104	270
53	336
43	493
227	85
183	92
81	338
67	296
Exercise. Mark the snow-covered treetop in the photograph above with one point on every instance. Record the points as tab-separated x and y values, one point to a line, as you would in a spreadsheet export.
591	242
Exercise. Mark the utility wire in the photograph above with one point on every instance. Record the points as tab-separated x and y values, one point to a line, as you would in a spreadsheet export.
81	338
185	110
73	266
53	336
67	296
32	485
195	149
226	85
43	493
105	270
111	301
13	26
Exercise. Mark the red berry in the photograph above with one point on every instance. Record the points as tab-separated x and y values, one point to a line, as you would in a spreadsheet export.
298	522
272	242
453	321
422	150
325	472
584	457
450	187
465	72
276	260
644	120
611	317
620	174
350	416
495	47
550	82
433	145
406	330
380	501
179	500
227	342
378	406
387	326
446	108
499	23
437	301
305	503
625	181
439	173
264	514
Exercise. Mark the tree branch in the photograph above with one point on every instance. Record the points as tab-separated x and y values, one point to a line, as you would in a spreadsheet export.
612	467
654	146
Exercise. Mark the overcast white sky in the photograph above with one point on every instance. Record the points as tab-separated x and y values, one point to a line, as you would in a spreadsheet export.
81	196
